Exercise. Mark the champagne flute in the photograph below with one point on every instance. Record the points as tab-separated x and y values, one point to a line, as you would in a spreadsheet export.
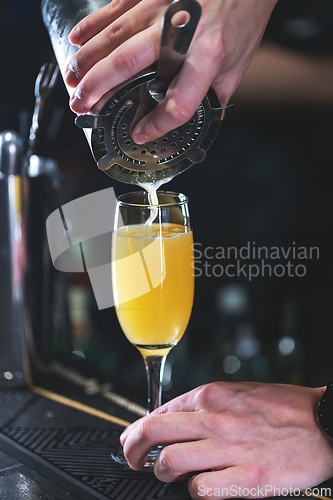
153	281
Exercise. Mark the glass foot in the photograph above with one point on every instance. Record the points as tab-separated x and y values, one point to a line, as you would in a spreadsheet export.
150	459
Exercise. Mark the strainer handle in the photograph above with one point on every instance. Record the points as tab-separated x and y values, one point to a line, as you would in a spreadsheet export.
175	42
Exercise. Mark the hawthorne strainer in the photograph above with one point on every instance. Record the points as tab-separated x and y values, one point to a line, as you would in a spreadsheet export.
113	148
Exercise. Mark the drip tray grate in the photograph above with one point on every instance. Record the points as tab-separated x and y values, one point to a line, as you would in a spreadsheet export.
72	448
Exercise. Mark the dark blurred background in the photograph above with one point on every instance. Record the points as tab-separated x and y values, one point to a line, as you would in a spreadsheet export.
266	182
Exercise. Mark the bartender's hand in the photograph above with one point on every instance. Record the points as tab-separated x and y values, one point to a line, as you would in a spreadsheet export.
123	38
250	435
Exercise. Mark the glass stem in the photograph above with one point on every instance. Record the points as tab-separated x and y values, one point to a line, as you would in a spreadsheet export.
154	368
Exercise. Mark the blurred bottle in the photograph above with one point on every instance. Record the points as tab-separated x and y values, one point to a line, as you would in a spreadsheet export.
12	257
237	348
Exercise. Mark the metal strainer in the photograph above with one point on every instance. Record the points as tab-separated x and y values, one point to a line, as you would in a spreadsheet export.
113	148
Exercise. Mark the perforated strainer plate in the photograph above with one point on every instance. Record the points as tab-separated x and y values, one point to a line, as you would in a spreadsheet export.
155	153
121	158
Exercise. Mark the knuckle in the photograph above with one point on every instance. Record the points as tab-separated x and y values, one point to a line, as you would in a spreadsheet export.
181	111
151	129
79	64
209	393
216	50
111	7
212	421
253	475
85	92
146	430
168	460
113	33
75	64
82	92
216	396
211	46
126	63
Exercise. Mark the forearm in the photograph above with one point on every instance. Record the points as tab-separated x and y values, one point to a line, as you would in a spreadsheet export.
278	76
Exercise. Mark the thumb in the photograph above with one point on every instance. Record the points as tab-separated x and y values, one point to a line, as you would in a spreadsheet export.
180	103
168	115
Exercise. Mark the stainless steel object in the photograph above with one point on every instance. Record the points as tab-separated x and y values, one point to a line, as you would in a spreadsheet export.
12	256
45	81
59	17
109	132
46	288
33	307
175	42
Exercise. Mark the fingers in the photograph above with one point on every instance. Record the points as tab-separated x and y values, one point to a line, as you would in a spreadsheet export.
104	43
116	54
97	21
181	101
150	432
178	459
188	402
172	405
130	58
129	429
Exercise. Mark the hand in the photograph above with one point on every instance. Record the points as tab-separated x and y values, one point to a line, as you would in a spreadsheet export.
250	435
123	38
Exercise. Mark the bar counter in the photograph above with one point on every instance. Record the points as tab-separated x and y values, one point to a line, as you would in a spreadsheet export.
55	447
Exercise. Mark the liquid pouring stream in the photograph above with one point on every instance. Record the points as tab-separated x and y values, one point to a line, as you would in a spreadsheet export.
151	188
